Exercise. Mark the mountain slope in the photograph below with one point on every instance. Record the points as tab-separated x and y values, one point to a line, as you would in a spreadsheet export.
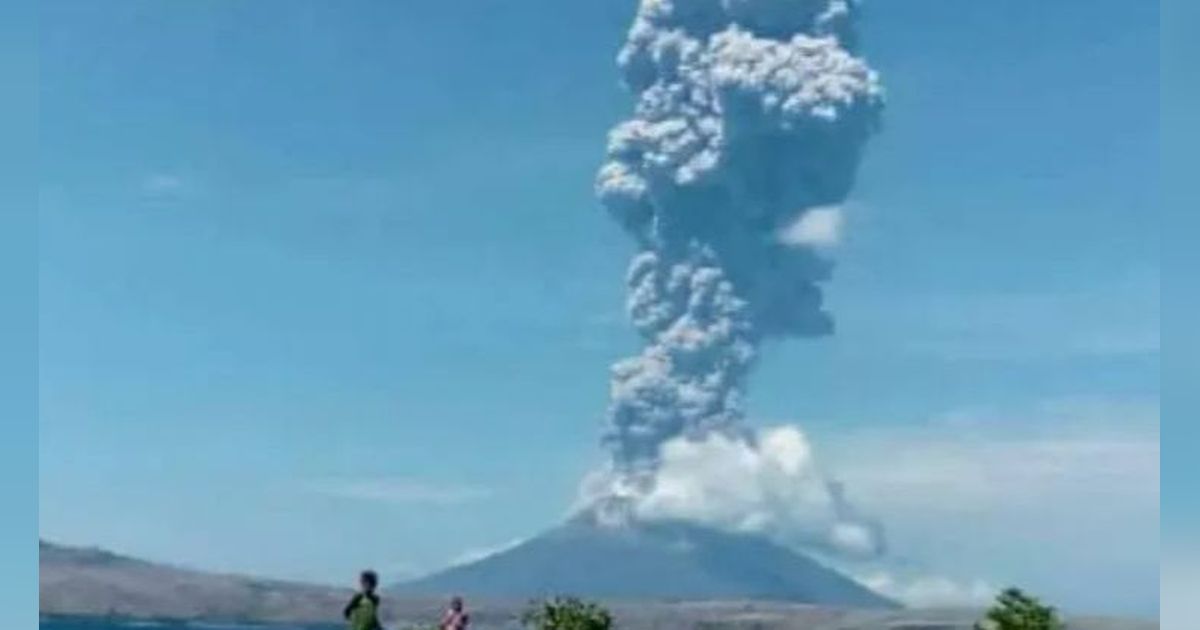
91	582
76	581
674	561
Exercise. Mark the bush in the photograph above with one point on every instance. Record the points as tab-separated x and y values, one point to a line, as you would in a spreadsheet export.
566	613
1014	610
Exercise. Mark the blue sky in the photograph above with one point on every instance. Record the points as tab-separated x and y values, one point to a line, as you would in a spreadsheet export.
1180	513
325	285
18	317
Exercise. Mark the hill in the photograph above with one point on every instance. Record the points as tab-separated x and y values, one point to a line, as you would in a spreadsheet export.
660	561
91	582
78	581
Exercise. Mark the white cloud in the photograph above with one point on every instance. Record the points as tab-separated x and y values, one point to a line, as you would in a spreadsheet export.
476	554
993	460
399	571
817	227
927	591
1180	583
770	485
162	185
400	491
953	474
1045	497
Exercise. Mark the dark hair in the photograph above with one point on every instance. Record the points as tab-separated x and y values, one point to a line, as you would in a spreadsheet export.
369	577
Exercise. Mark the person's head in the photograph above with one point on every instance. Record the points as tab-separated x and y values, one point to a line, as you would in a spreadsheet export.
456	604
368	580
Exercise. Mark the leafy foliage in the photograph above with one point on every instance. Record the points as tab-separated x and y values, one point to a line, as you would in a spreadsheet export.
1015	610
566	613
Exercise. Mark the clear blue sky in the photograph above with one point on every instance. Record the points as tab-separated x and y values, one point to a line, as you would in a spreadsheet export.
18	316
1180	133
324	284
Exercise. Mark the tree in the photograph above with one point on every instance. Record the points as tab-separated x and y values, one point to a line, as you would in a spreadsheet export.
566	613
1014	610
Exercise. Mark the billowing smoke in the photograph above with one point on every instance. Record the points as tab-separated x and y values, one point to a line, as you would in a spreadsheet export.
749	123
770	485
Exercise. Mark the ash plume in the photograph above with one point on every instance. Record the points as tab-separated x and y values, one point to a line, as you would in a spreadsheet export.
749	116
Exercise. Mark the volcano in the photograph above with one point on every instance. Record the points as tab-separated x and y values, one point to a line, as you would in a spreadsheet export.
649	561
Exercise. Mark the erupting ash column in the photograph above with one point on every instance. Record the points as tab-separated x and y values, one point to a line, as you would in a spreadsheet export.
750	115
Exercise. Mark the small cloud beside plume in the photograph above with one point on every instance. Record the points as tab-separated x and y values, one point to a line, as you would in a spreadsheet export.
400	491
815	227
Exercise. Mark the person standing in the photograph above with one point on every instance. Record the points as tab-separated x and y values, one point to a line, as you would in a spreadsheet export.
362	613
456	617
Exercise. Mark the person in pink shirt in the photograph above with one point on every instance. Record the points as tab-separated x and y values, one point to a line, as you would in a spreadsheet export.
456	617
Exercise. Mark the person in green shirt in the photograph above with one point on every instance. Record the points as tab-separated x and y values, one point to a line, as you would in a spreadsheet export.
363	610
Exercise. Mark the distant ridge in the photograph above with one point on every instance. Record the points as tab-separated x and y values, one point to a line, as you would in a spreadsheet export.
660	561
76	581
97	583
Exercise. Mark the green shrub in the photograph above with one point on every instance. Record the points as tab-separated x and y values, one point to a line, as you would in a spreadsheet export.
566	613
1014	610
